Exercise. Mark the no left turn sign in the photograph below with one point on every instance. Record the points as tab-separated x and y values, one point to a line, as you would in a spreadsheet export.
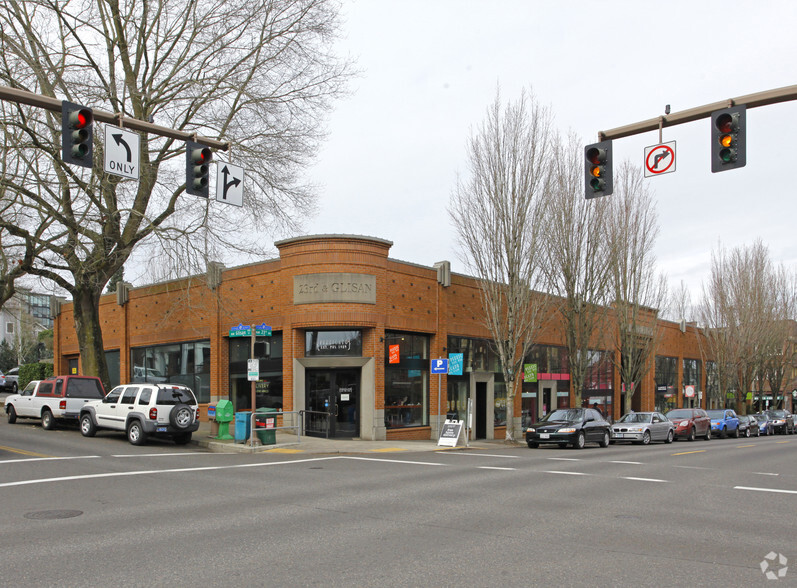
659	159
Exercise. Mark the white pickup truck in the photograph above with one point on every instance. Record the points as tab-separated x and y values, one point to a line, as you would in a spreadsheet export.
55	399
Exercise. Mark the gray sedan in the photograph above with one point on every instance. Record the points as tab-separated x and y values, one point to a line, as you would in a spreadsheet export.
643	427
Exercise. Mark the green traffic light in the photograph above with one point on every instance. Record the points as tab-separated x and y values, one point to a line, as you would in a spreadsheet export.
726	155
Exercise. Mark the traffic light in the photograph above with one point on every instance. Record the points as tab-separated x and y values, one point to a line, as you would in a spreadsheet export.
728	135
598	169
76	134
197	168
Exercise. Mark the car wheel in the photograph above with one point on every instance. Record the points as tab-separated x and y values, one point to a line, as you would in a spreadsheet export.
747	432
606	439
646	438
181	416
182	438
736	433
87	426
691	436
707	436
48	422
14	387
580	441
724	433
533	445
135	433
670	437
11	414
758	433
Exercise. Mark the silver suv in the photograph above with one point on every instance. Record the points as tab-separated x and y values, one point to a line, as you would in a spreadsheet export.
144	410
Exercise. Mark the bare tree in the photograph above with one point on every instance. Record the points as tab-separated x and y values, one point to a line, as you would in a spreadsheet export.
257	73
496	211
745	310
639	294
575	256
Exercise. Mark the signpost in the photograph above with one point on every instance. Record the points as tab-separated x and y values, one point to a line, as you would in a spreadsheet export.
659	159
230	184
253	363
122	151
439	366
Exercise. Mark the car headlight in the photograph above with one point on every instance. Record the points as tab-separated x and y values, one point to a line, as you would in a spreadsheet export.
683	424
635	429
530	430
778	422
567	430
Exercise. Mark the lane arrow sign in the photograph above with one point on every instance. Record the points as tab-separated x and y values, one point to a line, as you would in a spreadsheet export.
230	184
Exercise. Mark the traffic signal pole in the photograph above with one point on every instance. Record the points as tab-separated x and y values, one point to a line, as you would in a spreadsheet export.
765	98
53	104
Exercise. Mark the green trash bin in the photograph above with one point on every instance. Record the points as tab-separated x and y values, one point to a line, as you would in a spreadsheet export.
265	425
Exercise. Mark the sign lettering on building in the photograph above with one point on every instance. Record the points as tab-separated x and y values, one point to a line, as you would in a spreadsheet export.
334	287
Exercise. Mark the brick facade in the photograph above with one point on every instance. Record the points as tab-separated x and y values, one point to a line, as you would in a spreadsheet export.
408	298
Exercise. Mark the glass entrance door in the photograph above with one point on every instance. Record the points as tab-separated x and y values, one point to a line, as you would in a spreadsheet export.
333	396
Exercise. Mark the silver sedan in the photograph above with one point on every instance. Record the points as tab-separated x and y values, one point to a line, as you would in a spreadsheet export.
643	427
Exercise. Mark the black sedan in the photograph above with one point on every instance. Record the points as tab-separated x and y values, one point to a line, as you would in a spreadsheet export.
574	426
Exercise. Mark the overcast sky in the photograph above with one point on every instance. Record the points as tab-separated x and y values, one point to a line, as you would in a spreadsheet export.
430	70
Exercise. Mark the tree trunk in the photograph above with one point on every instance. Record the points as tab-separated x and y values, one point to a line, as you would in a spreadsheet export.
510	411
86	303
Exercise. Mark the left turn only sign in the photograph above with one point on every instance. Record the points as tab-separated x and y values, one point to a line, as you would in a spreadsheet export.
122	152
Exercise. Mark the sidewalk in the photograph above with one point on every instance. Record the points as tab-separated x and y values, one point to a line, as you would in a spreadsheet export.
287	443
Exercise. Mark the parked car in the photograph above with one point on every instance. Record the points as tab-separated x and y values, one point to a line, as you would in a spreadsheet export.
576	426
54	399
2	381
748	426
724	422
12	380
690	423
781	422
764	426
643	427
144	410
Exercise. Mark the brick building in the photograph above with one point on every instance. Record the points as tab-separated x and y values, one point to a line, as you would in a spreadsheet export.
352	334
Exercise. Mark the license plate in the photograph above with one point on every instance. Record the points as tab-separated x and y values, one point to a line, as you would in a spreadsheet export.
545	435
160	429
619	435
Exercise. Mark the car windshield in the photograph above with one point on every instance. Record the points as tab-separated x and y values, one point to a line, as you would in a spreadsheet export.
636	417
760	417
679	414
716	414
777	413
567	414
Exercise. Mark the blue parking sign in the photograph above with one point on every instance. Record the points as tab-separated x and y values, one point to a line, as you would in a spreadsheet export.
440	365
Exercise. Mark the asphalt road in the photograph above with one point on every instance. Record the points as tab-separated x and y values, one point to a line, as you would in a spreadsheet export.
88	512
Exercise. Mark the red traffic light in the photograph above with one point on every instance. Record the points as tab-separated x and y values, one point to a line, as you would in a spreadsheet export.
80	119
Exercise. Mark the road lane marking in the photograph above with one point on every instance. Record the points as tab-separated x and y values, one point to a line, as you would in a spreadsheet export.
168	471
565	473
642	479
765	474
485	455
740	446
49	458
688	452
565	458
783	441
23	452
181	454
628	462
497	468
388	450
775	490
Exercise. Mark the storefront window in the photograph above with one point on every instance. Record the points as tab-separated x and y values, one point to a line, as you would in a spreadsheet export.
268	389
179	363
406	380
666	383
691	370
333	343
